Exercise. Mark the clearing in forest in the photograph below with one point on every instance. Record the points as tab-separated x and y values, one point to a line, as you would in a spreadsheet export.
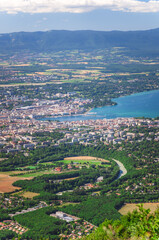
129	207
29	194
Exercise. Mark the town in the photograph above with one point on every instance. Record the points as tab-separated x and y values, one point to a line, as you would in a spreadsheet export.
62	178
17	134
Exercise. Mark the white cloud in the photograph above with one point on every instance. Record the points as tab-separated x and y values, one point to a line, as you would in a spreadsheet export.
77	6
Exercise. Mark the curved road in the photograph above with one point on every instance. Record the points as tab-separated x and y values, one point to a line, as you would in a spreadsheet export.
123	170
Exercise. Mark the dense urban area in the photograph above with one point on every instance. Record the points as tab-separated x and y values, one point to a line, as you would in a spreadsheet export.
62	179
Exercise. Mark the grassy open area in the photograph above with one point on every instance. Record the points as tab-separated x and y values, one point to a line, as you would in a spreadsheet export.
72	80
36	173
29	167
68	203
10	173
29	84
129	207
84	159
47	163
29	194
80	162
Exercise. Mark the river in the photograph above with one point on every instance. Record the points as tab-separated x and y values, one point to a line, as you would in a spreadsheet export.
123	170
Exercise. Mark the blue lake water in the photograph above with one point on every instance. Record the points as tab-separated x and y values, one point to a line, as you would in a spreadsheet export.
145	104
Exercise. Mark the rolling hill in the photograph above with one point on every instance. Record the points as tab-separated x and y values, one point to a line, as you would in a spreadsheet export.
139	42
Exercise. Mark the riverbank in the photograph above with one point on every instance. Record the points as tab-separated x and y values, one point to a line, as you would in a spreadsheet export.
123	170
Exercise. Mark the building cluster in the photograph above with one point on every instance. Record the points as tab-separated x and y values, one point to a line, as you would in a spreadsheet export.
45	108
17	135
64	216
10	202
92	185
40	205
77	229
12	226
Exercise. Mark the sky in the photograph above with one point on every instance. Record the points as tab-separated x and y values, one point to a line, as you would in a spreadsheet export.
101	15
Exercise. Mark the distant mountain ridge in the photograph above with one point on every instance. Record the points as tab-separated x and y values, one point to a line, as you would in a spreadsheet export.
147	40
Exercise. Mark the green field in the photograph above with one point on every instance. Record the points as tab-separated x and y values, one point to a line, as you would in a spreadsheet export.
36	174
30	167
85	162
47	163
72	80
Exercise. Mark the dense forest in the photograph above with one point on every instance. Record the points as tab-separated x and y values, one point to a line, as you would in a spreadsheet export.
41	225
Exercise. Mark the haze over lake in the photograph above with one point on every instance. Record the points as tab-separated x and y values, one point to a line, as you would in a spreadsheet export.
145	104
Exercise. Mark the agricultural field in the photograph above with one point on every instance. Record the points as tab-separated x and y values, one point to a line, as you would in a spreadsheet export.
27	84
84	159
35	174
129	207
6	182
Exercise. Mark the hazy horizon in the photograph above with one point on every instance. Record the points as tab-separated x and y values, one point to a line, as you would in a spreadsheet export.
96	15
75	30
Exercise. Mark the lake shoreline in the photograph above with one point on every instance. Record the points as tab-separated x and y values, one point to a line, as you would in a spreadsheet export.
143	104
